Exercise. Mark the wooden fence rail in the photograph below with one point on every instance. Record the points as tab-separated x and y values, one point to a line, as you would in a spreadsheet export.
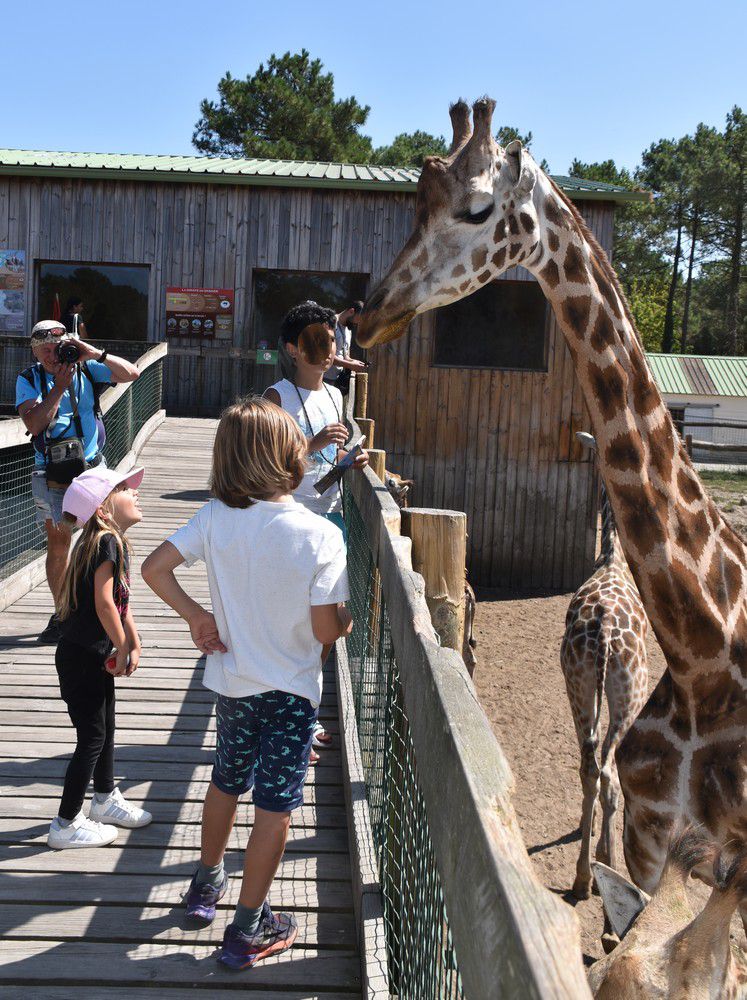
512	937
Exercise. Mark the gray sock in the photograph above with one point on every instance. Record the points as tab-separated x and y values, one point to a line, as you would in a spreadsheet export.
63	822
207	875
100	797
246	918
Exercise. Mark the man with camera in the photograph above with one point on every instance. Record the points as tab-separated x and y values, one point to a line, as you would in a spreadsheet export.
57	399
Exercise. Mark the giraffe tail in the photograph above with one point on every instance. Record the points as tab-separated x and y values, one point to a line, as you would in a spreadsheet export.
605	647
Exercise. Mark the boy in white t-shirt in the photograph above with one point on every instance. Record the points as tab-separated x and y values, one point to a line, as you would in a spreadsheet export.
308	335
278	580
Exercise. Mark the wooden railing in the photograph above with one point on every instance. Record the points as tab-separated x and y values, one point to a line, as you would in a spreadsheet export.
511	936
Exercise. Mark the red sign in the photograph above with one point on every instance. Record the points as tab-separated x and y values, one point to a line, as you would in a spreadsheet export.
199	312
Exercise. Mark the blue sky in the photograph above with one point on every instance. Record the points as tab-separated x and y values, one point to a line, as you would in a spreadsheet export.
589	81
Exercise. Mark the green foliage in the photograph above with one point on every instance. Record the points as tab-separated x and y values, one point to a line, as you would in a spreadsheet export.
409	149
286	110
681	258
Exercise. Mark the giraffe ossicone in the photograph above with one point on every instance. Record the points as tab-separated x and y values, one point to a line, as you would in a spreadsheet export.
480	211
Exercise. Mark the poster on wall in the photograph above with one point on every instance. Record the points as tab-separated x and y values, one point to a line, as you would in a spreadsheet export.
199	312
12	291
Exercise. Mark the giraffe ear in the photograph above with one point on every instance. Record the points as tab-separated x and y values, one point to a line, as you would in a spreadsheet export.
519	170
622	900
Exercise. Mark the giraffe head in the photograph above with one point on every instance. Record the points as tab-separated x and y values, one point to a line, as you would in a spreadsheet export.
475	217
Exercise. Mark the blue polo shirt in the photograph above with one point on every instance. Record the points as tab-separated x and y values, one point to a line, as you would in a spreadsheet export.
64	425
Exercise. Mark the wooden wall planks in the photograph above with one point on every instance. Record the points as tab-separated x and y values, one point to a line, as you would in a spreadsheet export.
497	444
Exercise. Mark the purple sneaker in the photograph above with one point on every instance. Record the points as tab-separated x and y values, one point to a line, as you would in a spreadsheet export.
202	899
276	932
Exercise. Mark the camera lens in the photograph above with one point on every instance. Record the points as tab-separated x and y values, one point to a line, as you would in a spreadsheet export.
67	352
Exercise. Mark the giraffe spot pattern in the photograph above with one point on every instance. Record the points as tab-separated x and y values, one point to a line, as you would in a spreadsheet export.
605	288
527	222
513	225
574	266
458	271
738	646
603	334
421	261
552	241
645	394
644	514
499	233
688	485
514	251
691	530
723	581
661	450
648	763
499	257
550	274
485	276
405	276
479	256
669	697
553	212
716	782
625	452
576	311
608	386
721	703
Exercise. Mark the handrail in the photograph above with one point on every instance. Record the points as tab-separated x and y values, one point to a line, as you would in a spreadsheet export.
13	431
528	940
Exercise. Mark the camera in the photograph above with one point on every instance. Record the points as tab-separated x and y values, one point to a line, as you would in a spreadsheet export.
67	352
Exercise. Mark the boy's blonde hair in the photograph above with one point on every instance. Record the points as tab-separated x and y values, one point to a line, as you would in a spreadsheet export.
84	554
259	451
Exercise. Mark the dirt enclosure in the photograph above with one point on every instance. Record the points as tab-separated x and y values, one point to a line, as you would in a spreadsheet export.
521	687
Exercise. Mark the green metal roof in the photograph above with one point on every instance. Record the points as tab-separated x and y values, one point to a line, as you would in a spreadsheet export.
274	173
699	375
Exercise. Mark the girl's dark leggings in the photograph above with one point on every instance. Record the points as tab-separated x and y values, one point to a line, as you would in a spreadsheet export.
88	692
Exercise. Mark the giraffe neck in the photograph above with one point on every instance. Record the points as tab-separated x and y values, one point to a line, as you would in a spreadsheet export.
690	567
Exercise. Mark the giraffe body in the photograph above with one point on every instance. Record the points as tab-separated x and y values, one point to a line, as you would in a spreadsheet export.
603	653
480	211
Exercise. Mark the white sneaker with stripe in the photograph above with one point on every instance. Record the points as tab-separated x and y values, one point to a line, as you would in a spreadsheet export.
116	809
80	832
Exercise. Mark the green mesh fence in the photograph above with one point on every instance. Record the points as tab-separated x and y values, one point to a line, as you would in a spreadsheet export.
21	541
422	963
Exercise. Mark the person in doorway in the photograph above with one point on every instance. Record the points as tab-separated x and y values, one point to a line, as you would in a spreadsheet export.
343	364
99	642
307	335
58	402
266	552
73	319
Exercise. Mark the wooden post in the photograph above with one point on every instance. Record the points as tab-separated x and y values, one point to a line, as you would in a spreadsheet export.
361	395
439	554
367	428
377	461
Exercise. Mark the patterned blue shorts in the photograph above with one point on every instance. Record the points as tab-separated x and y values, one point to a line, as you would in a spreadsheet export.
264	742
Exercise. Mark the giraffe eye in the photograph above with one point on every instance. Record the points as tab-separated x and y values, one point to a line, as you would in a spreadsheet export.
478	217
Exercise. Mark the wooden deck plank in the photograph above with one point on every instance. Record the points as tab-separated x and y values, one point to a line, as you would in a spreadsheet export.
108	923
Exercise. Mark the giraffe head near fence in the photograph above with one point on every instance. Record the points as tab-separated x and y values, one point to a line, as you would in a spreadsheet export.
475	217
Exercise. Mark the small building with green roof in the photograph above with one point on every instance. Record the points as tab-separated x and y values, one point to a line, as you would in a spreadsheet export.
478	405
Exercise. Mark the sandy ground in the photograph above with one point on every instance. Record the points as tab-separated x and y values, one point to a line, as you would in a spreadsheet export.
521	688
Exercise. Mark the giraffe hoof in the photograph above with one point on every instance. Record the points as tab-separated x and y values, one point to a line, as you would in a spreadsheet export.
581	888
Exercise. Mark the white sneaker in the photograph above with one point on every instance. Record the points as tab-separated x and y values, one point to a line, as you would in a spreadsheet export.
80	832
116	809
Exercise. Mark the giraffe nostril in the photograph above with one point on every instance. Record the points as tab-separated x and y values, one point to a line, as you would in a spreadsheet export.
375	300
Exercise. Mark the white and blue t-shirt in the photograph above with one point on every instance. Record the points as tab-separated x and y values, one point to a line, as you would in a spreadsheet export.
64	425
313	410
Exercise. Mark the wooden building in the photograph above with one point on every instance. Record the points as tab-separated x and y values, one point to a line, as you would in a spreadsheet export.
481	418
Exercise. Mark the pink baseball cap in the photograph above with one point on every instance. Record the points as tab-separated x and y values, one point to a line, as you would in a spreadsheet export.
87	492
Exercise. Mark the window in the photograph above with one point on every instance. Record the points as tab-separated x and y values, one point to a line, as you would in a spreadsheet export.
503	325
275	292
115	297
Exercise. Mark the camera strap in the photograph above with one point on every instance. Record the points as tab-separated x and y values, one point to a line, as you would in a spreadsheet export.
74	401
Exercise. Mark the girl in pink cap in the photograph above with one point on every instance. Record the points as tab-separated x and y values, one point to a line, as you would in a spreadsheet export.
99	642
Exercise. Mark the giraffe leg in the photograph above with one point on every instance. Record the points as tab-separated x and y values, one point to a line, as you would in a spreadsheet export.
589	772
606	851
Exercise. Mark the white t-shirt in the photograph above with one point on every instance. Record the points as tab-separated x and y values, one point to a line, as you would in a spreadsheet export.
313	410
267	565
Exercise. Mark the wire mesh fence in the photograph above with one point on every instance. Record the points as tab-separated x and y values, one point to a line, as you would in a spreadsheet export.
21	540
422	962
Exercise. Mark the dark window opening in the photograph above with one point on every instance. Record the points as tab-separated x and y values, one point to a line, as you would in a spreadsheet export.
275	292
115	297
503	325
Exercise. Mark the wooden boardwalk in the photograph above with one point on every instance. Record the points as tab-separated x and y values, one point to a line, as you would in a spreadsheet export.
108	923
